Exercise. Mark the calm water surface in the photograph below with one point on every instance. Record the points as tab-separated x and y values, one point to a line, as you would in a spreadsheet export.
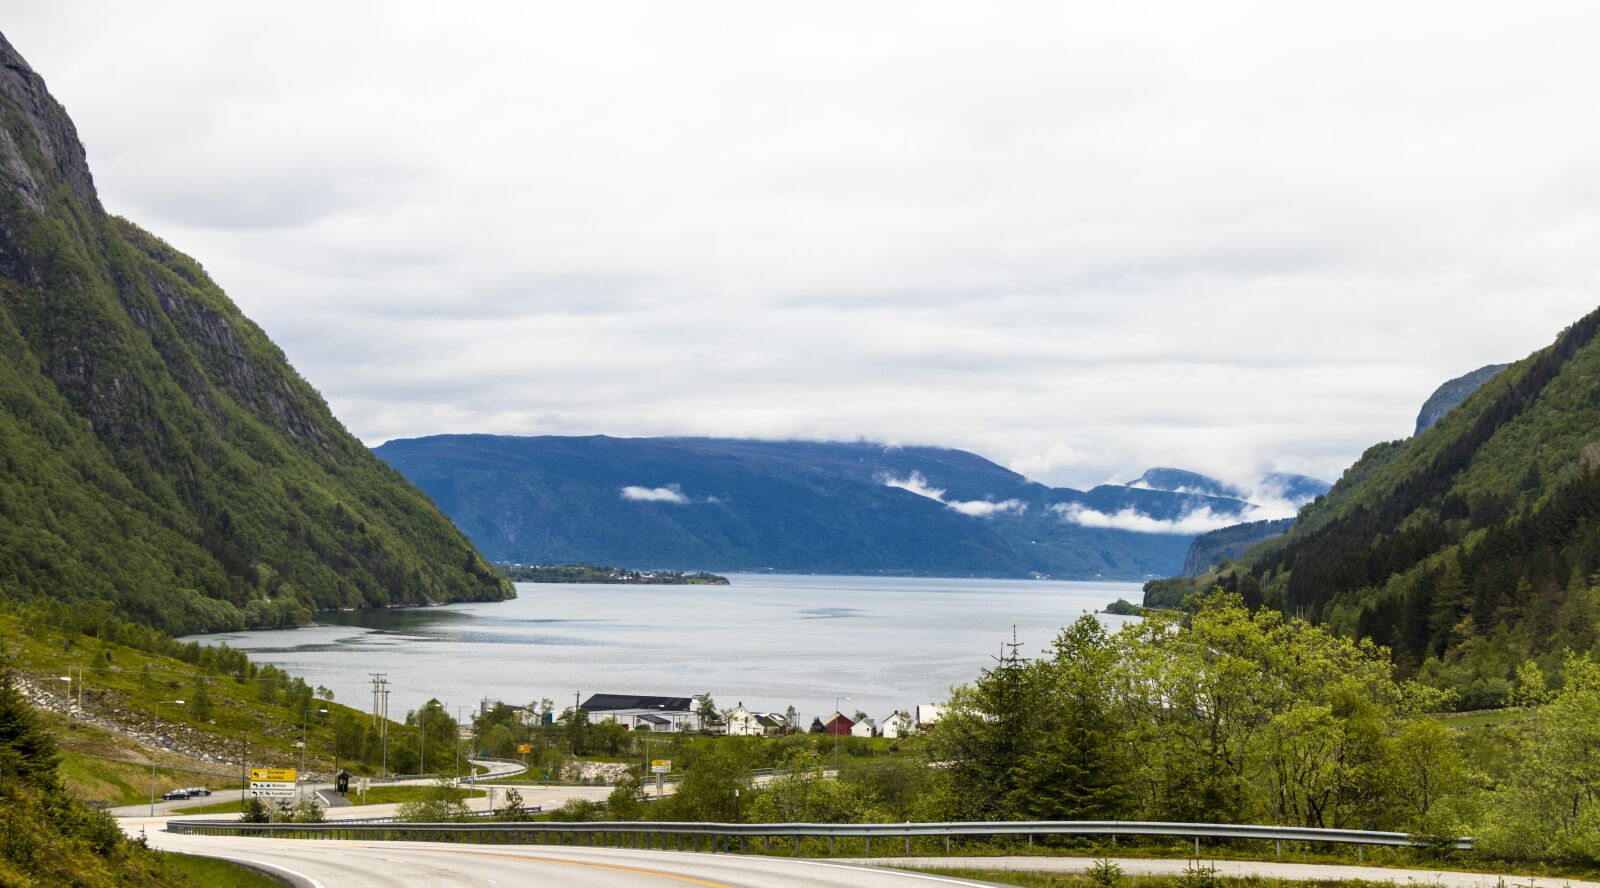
768	641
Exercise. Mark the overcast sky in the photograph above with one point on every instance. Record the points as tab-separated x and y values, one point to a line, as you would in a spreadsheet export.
1078	239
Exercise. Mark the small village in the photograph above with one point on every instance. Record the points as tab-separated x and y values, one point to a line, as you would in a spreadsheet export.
698	714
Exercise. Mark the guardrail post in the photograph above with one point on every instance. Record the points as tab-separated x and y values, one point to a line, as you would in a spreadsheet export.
766	844
869	847
947	844
1197	847
908	846
1279	843
797	846
1359	849
830	846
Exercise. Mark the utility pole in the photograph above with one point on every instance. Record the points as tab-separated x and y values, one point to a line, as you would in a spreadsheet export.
422	728
384	727
377	682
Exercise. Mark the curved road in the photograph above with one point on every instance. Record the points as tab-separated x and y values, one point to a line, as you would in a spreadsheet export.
496	768
362	864
355	864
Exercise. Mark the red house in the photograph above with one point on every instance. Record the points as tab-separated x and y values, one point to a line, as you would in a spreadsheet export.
838	723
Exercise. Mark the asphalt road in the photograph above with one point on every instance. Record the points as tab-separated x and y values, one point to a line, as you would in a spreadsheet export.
354	864
177	806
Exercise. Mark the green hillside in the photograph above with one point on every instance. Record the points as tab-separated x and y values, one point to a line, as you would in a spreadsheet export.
1467	549
157	451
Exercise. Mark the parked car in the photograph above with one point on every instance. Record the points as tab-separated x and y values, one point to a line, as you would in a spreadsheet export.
176	794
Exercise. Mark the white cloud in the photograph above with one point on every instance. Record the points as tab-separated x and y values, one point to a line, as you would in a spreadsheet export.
1198	521
669	494
917	484
988	509
725	219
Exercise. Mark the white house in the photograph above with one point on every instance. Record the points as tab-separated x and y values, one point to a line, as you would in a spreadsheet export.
897	724
863	728
742	722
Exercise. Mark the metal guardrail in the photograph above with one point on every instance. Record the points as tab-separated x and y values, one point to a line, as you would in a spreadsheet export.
651	834
473	815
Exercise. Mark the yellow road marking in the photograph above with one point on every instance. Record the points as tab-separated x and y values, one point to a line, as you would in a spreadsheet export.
604	866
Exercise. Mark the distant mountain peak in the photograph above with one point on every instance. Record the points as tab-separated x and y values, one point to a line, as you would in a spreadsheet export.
1447	397
1297	489
1184	481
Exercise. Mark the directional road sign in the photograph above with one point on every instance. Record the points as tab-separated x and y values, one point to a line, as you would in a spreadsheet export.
277	775
271	793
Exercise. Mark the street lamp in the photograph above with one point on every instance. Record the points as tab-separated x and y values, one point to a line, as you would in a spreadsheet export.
78	713
835	730
157	711
305	739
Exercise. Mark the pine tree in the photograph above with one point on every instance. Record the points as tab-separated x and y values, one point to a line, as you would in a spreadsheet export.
1075	770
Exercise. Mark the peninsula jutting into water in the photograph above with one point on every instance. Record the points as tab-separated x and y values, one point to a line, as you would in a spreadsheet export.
590	573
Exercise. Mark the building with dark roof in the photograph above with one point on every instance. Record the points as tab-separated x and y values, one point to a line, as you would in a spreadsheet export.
637	713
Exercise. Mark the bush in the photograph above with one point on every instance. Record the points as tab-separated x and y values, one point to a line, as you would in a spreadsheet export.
254	811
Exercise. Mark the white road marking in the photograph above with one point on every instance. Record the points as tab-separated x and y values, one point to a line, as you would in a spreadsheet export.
273	866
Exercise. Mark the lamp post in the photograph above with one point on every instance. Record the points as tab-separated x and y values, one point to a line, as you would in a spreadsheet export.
305	741
459	710
153	755
78	712
836	733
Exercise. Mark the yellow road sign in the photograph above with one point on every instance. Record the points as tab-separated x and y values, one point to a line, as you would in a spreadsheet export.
524	748
275	775
661	766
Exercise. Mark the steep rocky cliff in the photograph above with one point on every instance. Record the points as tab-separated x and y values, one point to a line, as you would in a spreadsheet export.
158	455
1446	397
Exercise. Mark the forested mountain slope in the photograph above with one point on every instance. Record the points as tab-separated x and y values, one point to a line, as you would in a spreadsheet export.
157	452
851	507
1208	549
1467	548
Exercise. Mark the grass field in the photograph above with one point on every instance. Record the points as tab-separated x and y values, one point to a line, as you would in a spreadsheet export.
394	795
132	685
103	767
228	806
1198	878
213	873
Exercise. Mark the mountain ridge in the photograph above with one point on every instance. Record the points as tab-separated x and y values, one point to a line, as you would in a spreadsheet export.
738	504
160	455
1468	549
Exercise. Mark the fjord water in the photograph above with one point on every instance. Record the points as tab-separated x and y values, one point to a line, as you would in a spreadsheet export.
768	641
